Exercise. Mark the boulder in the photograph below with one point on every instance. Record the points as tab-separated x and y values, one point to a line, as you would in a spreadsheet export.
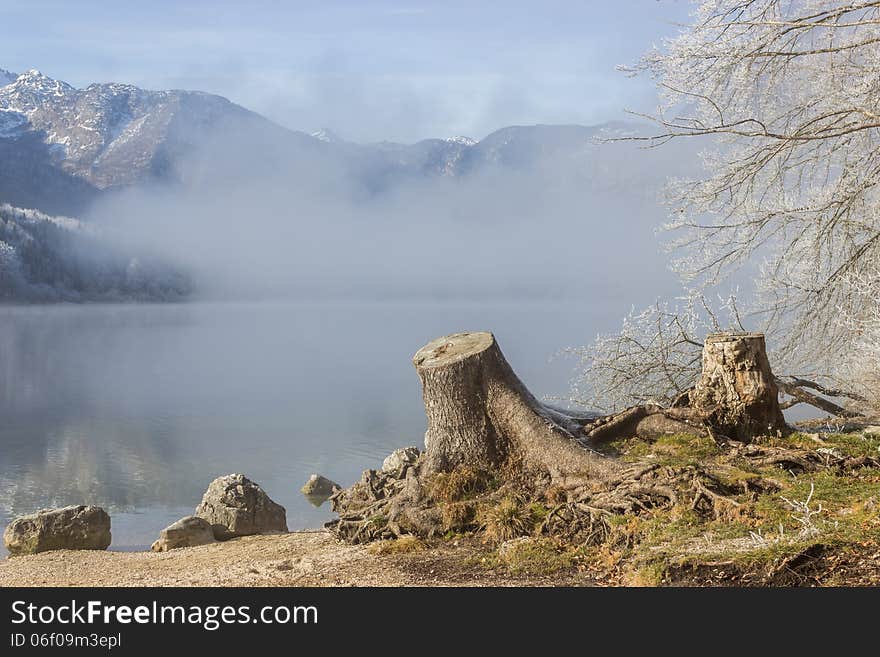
186	532
318	489
236	506
68	528
399	459
319	485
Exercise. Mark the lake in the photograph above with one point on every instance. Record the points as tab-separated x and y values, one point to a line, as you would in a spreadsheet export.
137	408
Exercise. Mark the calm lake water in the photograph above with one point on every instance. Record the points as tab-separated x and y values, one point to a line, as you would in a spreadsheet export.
138	407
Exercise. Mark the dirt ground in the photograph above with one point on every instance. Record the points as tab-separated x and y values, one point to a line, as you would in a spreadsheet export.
312	558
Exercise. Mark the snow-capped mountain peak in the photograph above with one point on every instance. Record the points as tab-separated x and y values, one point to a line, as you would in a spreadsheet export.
37	81
460	139
29	94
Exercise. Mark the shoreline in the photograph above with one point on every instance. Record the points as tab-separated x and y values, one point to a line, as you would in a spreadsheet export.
315	558
300	558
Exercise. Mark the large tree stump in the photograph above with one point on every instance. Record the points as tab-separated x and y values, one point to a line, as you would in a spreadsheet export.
481	415
737	393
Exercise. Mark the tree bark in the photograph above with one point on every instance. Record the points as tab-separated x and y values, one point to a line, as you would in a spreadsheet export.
737	393
480	414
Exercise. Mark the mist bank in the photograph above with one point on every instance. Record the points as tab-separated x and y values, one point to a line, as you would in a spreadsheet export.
249	211
561	218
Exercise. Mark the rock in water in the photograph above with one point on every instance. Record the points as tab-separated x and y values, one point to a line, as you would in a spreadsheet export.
186	532
68	528
236	506
318	489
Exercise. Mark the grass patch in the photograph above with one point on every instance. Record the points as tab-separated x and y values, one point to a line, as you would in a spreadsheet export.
650	574
674	449
402	545
535	556
509	518
857	443
458	516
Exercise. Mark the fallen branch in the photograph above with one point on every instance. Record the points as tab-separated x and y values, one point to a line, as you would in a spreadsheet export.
828	392
802	396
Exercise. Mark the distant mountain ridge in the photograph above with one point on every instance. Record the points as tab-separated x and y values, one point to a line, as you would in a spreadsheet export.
61	147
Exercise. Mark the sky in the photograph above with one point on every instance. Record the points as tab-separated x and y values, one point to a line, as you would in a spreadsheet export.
368	70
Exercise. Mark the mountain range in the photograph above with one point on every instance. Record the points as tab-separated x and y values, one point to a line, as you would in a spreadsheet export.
62	147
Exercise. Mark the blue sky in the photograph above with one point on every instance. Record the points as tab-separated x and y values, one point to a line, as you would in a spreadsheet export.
369	70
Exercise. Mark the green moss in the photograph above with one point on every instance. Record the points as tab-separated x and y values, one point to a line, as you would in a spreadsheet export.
650	574
856	444
538	512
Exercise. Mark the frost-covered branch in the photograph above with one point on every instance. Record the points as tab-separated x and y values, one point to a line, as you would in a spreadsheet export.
786	95
656	358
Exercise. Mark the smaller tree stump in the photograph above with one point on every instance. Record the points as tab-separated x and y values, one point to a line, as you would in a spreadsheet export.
737	393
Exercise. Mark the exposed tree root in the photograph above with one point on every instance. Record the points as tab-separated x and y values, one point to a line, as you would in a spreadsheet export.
798	461
587	524
414	500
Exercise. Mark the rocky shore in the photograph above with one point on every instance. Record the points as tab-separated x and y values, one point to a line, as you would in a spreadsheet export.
237	536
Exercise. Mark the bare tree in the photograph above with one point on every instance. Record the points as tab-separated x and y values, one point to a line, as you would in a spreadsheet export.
786	94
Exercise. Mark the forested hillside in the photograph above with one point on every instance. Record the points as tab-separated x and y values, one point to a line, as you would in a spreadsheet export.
45	258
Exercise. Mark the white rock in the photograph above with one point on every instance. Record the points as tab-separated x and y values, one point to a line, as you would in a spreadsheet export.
400	458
